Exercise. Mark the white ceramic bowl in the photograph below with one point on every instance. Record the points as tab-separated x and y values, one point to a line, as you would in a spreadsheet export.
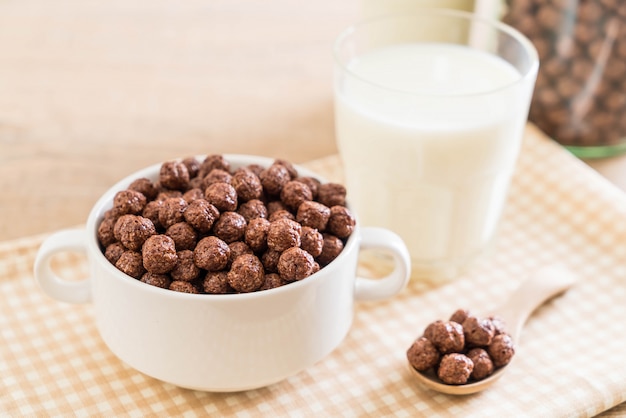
227	342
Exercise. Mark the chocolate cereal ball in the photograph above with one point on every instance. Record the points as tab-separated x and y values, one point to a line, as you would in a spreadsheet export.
196	183
238	248
129	201
270	260
108	214
483	366
275	206
130	262
316	267
105	232
256	169
478	332
247	185
312	183
174	175
501	350
293	173
165	194
159	280
151	211
230	227
222	195
281	214
172	211
211	162
272	280
447	336
331	194
133	230
211	253
216	282
256	234
216	176
183	287
429	332
312	241
295	264
114	251
455	369
201	215
460	315
192	194
144	186
159	254
246	274
330	250
423	354
274	178
193	166
185	269
183	234
282	234
341	223
294	193
252	209
313	214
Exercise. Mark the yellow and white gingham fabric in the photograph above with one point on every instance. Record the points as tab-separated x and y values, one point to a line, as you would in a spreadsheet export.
570	362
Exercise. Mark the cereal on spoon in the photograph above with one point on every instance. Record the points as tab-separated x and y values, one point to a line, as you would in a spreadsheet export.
463	349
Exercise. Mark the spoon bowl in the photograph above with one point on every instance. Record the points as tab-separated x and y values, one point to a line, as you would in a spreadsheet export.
541	286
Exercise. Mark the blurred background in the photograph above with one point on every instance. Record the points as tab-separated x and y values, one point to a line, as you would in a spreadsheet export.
93	90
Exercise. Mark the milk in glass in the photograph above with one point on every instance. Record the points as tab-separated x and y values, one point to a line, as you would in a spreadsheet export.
429	134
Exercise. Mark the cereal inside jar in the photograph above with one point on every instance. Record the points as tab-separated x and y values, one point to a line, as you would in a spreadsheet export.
580	95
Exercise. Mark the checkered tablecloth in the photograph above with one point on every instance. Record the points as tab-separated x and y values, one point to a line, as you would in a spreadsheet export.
570	362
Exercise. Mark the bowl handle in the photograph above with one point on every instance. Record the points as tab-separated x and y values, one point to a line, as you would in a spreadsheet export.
50	282
390	243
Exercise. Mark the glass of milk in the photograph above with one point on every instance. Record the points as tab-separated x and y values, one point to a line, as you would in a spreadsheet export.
429	124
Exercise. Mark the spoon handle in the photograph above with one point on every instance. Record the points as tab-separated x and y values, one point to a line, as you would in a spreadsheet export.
542	285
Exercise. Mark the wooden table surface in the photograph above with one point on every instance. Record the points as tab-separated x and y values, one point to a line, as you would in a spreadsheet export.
91	91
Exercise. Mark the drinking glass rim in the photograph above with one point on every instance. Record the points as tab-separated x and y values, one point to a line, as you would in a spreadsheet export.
526	44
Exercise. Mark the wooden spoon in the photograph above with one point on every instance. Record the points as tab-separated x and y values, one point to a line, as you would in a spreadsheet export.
541	286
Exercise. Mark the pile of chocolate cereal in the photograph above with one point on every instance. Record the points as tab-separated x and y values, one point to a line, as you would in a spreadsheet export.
463	349
580	96
206	228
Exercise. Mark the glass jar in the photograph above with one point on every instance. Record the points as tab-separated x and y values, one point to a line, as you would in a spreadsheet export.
580	95
374	8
